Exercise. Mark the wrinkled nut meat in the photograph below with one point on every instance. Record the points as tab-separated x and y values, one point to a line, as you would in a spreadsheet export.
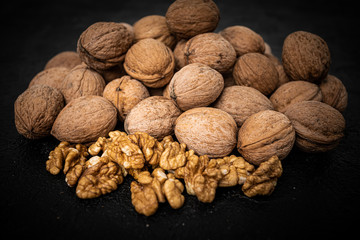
334	93
66	59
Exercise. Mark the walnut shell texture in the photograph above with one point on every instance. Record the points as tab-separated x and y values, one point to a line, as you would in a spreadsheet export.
154	115
207	130
195	85
319	127
305	56
265	134
187	18
53	77
210	49
241	102
85	119
334	93
66	59
151	62
36	110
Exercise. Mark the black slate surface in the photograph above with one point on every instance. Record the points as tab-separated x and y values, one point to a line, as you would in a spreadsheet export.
317	196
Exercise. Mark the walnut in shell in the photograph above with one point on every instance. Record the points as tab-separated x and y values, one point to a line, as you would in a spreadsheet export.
187	18
305	56
319	127
241	102
66	59
154	115
36	110
265	134
85	119
195	85
208	131
210	49
334	93
179	54
125	93
53	77
151	62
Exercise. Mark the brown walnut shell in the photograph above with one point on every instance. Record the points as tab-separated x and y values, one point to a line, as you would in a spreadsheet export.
53	77
207	131
334	93
66	59
265	134
319	127
85	119
305	56
36	110
179	54
187	18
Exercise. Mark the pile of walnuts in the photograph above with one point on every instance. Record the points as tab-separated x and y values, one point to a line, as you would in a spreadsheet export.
173	76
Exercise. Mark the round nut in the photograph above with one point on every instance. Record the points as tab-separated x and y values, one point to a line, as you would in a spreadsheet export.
66	59
305	56
319	127
293	92
207	130
53	77
334	93
85	119
125	93
36	110
187	18
243	39
257	71
151	62
210	49
195	85
154	115
104	44
265	134
241	102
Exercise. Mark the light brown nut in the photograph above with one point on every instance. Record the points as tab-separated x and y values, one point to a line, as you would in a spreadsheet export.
66	59
173	156
264	179
154	26
305	56
172	189
187	18
104	44
55	162
85	119
82	81
154	115
53	77
151	62
195	85
125	93
257	71
210	49
241	102
36	110
179	54
319	127
143	198
206	130
334	92
293	92
243	39
265	134
283	78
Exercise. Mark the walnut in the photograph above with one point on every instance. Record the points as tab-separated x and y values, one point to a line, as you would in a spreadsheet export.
53	77
36	110
85	119
187	18
283	78
305	56
173	189
82	81
265	134
195	85
257	71
55	163
154	115
125	93
264	179
243	39
241	102
143	198
173	156
206	130
151	62
100	178
334	93
319	127
293	92
154	26
210	49
179	54
104	44
66	59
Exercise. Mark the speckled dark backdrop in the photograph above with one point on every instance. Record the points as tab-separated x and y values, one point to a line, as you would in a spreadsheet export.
317	195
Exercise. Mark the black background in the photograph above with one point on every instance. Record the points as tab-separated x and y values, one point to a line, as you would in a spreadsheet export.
317	196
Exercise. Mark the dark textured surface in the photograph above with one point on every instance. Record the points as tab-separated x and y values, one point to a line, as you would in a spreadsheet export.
317	195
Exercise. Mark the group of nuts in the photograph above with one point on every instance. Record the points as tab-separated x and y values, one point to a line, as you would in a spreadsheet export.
172	75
